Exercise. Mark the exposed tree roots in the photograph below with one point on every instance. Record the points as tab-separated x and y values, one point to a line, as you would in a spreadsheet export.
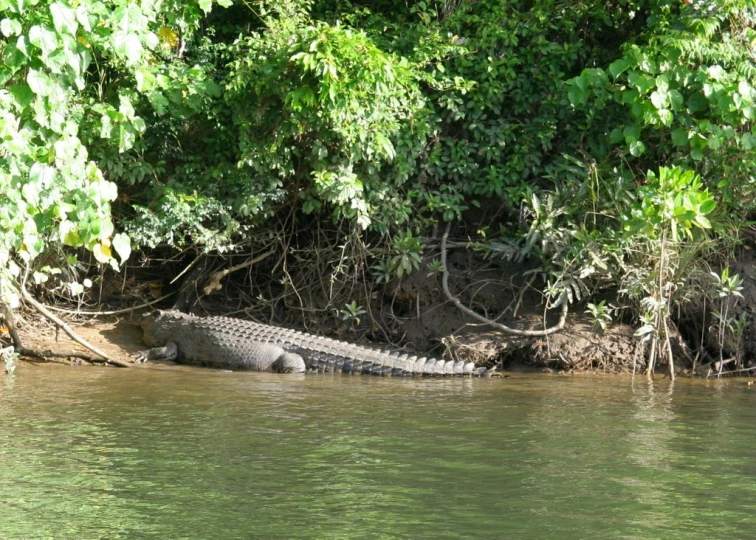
506	329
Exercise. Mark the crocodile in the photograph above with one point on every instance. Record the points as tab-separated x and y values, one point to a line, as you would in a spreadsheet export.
236	344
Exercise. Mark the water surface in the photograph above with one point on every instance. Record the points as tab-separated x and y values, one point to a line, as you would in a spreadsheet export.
194	453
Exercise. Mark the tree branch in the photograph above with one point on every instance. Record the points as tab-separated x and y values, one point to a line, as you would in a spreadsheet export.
213	282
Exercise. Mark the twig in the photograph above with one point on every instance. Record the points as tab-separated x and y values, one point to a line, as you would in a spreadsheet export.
521	295
514	331
669	352
114	312
185	270
741	370
67	329
213	282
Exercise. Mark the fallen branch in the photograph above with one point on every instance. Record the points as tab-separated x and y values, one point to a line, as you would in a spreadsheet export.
513	331
740	370
213	282
45	355
68	330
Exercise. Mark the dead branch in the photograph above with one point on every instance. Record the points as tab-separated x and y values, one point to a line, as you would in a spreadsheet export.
740	370
513	331
49	353
67	329
213	282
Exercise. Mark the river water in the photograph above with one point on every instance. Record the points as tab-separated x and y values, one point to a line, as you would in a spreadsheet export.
194	453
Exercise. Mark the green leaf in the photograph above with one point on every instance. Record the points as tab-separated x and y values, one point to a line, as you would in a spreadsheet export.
707	206
126	137
665	115
676	100
645	330
618	66
697	103
125	107
702	222
130	18
122	245
23	94
43	175
30	192
577	96
68	234
64	19
745	89
76	288
145	80
206	6
632	133
637	148
662	84
128	46
680	137
716	72
10	27
82	16
658	99
39	82
43	38
102	190
159	102
616	136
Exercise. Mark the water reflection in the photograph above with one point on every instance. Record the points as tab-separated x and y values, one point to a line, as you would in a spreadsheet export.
200	454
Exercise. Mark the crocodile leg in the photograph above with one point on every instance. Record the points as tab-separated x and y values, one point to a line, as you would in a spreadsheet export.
288	363
167	352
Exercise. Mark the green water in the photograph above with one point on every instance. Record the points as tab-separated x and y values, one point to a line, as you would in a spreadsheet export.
192	453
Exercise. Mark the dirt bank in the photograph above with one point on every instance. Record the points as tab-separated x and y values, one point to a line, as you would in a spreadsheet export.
415	315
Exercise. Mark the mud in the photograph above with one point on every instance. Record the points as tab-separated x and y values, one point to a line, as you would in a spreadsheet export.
117	338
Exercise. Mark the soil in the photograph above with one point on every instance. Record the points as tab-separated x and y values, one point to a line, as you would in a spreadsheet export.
117	338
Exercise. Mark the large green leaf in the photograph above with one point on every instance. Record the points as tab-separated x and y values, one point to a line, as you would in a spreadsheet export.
64	18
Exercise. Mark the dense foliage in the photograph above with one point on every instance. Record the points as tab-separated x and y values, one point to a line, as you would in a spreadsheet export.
72	75
617	136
